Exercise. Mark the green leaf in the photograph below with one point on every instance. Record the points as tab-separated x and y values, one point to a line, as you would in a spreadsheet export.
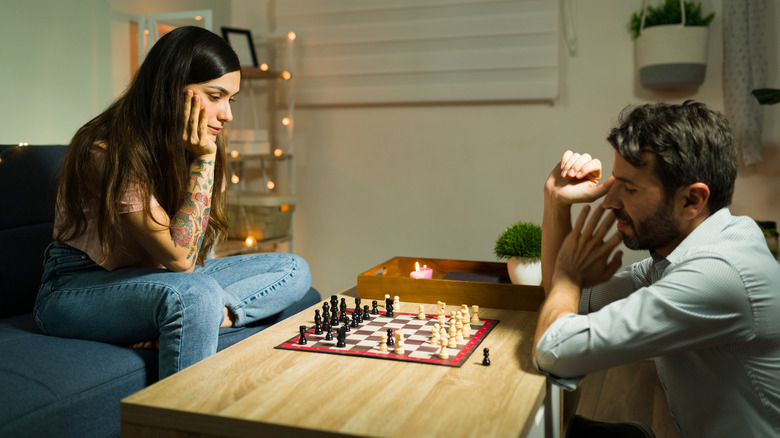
767	96
669	13
523	239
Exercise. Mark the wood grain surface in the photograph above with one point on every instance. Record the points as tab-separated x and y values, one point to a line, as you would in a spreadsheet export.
251	389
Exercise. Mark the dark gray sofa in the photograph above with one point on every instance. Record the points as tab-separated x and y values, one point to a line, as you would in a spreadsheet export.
53	386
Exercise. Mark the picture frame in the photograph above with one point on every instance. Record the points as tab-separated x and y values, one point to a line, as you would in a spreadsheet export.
242	43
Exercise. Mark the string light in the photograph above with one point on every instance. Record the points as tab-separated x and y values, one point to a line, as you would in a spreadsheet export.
291	36
270	185
286	75
198	18
234	153
278	152
264	67
234	179
286	121
249	241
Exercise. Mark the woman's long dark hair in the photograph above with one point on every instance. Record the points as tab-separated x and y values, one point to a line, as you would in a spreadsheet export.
143	133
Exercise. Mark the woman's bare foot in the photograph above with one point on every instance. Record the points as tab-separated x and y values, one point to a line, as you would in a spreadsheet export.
229	319
149	344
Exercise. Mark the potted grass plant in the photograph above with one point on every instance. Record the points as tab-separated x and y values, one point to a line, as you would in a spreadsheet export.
521	246
671	44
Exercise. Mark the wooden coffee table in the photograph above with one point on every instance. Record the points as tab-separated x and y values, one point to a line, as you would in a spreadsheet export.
253	389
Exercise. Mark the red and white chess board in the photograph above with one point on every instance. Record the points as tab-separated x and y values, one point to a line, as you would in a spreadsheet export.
364	341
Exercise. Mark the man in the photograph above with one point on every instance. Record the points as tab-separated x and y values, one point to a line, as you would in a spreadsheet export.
705	304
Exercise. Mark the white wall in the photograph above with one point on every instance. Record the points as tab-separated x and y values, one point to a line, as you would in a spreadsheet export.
64	61
377	182
443	181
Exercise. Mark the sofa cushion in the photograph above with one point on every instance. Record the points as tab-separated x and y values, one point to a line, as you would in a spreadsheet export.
28	187
70	387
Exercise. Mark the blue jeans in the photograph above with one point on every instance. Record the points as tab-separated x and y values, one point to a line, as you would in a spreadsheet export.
79	299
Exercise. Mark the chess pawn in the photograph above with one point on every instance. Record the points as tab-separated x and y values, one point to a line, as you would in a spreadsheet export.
399	342
459	327
421	315
366	312
442	307
443	351
383	344
442	320
302	338
434	338
452	341
396	303
475	314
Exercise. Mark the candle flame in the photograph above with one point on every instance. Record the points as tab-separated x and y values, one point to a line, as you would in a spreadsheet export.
249	241
416	266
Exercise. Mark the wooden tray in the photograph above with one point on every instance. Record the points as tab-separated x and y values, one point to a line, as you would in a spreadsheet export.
471	284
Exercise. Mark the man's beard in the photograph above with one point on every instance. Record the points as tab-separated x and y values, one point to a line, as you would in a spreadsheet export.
656	231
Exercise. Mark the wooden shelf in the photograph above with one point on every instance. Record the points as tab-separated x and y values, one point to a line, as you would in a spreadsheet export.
236	247
256	73
268	157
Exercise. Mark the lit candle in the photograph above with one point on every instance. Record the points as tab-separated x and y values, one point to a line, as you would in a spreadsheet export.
424	272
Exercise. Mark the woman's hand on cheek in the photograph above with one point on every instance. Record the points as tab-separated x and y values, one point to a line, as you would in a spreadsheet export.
197	141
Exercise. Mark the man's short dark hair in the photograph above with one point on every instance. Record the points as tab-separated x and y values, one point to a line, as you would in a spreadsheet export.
692	143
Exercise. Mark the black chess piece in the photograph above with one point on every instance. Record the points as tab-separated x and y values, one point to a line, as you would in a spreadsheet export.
486	359
390	338
317	317
343	305
318	328
374	308
302	338
328	334
389	308
325	309
334	318
366	313
325	315
357	303
359	315
354	322
341	337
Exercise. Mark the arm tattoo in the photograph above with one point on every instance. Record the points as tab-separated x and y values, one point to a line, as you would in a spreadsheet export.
190	222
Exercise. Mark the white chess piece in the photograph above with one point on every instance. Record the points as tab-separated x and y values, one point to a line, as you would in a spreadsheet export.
421	315
396	303
383	344
452	341
443	351
466	324
459	327
475	314
442	307
399	342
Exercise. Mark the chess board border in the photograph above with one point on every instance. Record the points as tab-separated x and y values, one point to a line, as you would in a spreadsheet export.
455	360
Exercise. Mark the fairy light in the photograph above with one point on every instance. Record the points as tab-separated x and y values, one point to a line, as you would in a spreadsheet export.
286	121
291	36
270	185
264	67
234	153
198	18
278	152
234	179
249	241
286	75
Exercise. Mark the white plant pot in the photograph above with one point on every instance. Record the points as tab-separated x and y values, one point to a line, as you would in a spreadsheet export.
524	271
672	56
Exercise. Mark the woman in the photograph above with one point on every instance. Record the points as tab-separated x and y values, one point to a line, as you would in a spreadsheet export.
140	205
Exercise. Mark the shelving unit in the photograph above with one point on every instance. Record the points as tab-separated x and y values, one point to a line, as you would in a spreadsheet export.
261	172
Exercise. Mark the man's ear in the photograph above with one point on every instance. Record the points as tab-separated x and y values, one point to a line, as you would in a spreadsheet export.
695	198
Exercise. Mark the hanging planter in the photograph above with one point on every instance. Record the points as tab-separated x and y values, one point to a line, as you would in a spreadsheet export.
671	45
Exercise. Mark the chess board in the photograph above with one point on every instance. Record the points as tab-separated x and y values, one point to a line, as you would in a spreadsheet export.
364	340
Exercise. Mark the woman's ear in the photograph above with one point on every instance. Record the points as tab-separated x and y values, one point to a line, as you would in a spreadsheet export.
696	196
